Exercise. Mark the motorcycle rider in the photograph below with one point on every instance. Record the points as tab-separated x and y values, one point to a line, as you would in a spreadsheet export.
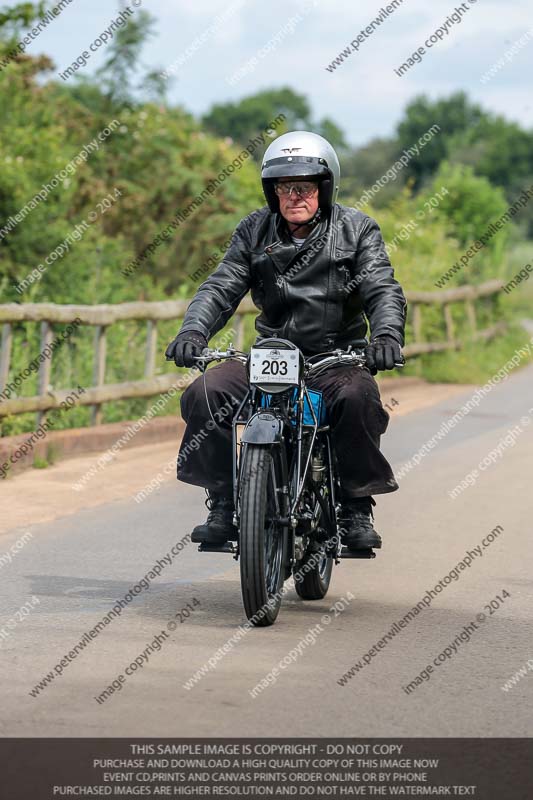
317	272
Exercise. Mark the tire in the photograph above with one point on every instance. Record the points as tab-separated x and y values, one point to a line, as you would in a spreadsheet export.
315	583
314	575
262	547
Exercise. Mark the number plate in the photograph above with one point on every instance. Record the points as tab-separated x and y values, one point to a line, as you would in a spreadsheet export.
274	366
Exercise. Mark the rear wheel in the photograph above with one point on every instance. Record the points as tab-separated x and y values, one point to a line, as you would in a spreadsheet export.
262	538
313	576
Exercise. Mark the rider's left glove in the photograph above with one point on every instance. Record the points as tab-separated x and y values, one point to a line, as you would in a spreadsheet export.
185	347
383	352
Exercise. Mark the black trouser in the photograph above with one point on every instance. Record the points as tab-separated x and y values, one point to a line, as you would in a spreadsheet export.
355	413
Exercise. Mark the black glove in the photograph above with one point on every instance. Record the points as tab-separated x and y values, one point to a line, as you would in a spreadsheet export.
185	347
384	352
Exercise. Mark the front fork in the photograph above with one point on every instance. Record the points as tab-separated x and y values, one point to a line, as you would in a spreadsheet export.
334	506
258	427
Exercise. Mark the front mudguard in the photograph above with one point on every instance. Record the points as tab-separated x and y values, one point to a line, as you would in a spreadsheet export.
263	428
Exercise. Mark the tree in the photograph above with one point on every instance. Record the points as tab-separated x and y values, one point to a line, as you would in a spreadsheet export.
453	115
116	73
243	120
500	151
331	131
363	166
470	205
14	20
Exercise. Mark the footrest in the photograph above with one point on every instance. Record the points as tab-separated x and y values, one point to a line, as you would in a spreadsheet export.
227	547
367	553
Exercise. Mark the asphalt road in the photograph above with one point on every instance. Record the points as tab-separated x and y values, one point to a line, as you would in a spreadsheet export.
78	566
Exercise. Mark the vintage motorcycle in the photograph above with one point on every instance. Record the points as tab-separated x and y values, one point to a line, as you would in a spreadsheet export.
285	481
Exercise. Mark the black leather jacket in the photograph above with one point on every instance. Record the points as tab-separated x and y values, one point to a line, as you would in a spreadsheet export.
317	296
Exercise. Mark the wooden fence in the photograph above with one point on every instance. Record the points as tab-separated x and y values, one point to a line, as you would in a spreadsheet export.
102	316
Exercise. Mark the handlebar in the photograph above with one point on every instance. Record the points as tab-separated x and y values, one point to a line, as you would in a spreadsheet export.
335	357
214	354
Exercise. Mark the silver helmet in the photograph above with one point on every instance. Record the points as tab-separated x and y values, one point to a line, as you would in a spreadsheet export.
301	153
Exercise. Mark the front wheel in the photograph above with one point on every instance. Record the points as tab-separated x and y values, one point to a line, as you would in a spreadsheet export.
262	538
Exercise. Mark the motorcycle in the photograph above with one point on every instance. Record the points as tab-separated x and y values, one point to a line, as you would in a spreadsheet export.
285	483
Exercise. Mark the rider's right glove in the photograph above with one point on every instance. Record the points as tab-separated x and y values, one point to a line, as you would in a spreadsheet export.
185	347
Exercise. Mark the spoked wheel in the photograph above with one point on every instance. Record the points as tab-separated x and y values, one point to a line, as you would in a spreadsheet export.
315	571
262	539
312	575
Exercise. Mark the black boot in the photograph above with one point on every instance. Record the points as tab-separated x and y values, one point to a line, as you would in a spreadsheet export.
218	528
355	524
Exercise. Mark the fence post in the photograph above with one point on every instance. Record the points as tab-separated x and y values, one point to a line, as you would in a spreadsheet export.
151	343
417	322
239	331
471	314
5	354
449	325
45	367
100	350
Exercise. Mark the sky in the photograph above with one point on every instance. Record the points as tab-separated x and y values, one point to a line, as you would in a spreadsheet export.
293	41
